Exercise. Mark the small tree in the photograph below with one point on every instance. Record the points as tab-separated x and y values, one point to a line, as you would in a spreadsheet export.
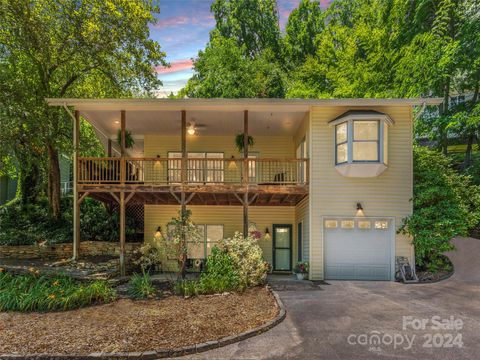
445	205
180	230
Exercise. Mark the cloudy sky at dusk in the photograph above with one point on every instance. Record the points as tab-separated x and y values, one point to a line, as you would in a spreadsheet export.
183	29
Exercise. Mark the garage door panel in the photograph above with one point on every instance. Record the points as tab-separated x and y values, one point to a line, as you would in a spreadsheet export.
358	254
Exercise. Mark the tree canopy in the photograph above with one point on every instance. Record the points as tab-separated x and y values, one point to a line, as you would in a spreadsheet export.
63	48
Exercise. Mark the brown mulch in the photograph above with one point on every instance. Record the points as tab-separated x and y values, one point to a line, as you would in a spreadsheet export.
133	326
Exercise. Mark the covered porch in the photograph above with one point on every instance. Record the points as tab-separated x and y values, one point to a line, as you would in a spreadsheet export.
186	153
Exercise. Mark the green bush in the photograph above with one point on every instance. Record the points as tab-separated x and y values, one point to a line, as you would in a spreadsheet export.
186	288
141	286
27	225
39	293
220	274
445	205
247	258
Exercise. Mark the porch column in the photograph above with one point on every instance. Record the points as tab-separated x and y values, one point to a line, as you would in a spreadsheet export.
76	204
184	158
245	172
109	148
123	170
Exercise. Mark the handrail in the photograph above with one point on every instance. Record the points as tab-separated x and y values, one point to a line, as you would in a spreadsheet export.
162	170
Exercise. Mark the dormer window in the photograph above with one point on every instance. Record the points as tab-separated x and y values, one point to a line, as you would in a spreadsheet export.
361	143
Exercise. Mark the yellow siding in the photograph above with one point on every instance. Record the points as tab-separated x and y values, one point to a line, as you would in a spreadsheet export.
333	194
301	216
265	146
231	217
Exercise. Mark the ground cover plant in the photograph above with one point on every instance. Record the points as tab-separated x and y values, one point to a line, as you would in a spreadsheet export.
141	287
32	292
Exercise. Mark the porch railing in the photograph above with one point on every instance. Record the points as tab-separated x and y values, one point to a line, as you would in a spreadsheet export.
168	171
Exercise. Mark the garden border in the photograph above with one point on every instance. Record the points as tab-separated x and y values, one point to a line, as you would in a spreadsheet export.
165	353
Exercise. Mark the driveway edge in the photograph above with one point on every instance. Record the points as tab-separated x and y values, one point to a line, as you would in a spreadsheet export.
165	353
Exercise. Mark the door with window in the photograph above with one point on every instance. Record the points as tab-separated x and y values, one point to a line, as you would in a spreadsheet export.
202	167
282	247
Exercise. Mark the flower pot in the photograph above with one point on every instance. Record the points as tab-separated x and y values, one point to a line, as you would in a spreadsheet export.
300	276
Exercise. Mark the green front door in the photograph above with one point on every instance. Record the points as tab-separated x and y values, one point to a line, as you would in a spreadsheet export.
282	247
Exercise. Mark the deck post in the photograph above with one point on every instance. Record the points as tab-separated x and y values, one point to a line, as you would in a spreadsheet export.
245	173
184	181
109	148
76	205
122	233
123	172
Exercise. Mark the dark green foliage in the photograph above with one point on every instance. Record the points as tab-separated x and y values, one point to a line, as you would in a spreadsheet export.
140	286
39	293
30	224
186	288
220	274
239	141
445	205
129	142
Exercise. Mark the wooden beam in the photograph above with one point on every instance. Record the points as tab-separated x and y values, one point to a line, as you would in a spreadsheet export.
190	197
76	204
123	164
80	200
253	199
176	197
215	198
122	234
115	197
109	148
129	197
238	198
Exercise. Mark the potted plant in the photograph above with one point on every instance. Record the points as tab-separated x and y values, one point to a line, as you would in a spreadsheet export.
239	141
301	269
129	142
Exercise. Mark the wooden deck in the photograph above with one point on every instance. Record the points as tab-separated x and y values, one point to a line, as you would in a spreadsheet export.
268	182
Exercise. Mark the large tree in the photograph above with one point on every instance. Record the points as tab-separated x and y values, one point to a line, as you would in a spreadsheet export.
243	56
64	48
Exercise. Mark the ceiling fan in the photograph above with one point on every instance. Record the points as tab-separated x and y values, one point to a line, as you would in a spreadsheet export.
192	127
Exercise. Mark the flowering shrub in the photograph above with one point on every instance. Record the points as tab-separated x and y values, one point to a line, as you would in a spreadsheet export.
247	257
220	275
301	267
150	255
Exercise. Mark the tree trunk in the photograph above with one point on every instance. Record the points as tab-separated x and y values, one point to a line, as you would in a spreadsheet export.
468	152
443	112
53	182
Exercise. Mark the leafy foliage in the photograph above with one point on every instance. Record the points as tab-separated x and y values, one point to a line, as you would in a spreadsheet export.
32	224
445	205
239	141
39	293
301	267
141	287
151	254
247	257
186	288
220	274
129	142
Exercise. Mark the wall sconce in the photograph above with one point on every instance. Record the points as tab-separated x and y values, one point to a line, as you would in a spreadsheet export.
267	234
158	233
158	164
232	165
359	210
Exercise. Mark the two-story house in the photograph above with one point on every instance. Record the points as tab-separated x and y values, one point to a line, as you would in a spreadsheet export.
328	181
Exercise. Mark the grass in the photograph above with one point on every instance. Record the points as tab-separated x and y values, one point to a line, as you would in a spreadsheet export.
141	287
32	292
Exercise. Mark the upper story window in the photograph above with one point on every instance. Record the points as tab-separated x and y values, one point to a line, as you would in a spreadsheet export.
361	143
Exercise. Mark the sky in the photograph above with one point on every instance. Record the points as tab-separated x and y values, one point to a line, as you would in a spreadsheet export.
183	29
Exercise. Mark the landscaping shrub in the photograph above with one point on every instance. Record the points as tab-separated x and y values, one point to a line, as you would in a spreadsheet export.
186	287
247	257
141	286
30	224
445	205
39	293
220	274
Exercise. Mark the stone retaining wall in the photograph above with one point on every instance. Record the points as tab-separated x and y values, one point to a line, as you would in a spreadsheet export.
63	251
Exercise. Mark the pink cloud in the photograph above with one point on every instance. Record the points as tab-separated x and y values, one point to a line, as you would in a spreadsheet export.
175	66
172	21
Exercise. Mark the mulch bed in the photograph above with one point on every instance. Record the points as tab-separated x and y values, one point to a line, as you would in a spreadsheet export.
133	326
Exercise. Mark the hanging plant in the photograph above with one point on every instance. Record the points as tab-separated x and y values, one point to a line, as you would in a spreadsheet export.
239	142
129	142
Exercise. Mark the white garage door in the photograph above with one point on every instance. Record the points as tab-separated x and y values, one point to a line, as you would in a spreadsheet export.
358	249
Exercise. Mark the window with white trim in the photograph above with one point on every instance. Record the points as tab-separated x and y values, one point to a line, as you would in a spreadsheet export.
361	143
210	236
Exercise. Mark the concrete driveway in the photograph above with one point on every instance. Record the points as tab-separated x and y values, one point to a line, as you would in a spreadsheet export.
341	320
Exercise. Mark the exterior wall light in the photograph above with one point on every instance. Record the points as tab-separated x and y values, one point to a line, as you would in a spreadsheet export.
267	234
158	233
232	165
359	210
